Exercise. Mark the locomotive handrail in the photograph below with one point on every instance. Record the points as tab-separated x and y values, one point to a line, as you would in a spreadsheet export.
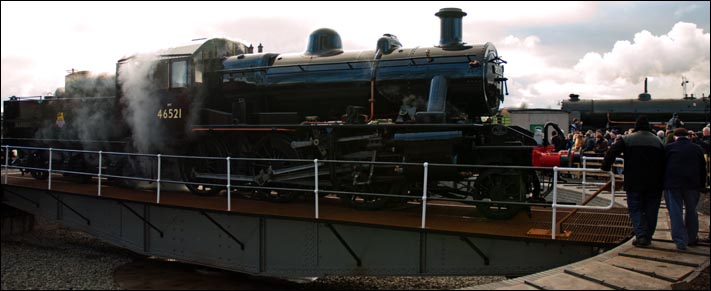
340	125
349	63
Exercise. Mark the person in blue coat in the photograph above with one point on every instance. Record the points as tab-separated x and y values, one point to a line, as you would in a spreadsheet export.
683	179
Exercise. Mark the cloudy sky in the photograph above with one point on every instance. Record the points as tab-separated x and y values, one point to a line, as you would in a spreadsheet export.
595	49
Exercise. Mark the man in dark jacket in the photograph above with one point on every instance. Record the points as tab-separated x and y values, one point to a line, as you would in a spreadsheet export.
685	174
644	173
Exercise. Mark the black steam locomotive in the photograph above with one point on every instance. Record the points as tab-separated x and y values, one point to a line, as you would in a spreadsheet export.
621	113
217	98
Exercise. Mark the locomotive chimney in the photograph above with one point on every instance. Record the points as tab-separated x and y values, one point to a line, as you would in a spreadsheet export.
450	27
644	96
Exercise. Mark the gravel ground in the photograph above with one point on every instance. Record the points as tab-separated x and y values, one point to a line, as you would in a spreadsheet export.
52	257
398	283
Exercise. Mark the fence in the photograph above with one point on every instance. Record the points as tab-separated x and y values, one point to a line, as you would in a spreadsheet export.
316	166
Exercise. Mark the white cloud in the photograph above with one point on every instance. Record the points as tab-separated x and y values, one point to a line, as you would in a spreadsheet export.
619	73
648	55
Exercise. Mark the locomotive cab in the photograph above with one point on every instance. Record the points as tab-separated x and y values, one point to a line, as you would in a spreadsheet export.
169	89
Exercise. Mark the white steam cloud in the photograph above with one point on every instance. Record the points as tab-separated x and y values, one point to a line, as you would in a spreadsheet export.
140	97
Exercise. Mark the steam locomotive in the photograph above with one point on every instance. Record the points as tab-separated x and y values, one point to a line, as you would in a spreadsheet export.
621	113
217	98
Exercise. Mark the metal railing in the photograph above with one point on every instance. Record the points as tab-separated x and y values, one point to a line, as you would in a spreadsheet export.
555	204
316	166
584	181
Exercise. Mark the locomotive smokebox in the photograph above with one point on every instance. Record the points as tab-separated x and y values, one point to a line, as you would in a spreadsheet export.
450	27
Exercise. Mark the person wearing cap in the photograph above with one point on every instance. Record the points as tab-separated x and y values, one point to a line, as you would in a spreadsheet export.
683	179
644	176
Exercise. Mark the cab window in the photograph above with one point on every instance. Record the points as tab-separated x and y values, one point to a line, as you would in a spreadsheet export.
178	74
161	75
199	68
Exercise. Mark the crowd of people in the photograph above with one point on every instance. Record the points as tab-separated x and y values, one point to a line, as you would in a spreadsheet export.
598	142
670	163
674	168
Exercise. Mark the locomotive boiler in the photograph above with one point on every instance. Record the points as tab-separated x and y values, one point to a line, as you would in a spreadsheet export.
391	104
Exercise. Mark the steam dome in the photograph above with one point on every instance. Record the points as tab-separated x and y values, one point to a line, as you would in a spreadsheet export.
324	42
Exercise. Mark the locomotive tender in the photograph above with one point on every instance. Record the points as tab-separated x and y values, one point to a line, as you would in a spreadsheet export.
216	98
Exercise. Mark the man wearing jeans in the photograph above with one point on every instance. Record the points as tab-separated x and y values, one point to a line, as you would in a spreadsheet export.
644	173
685	174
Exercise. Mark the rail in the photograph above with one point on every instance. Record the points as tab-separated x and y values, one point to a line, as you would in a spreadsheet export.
159	158
584	181
555	204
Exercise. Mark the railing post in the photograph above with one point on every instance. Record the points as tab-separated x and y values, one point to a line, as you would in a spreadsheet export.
612	186
316	187
584	183
49	171
229	185
98	191
7	163
555	201
424	194
158	182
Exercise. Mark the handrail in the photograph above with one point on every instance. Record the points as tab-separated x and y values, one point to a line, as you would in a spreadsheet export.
584	181
316	162
555	204
7	162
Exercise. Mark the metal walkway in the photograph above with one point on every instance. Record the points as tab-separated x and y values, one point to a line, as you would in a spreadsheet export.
661	267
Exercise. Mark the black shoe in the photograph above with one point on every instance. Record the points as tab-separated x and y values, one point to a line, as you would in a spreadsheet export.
642	242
